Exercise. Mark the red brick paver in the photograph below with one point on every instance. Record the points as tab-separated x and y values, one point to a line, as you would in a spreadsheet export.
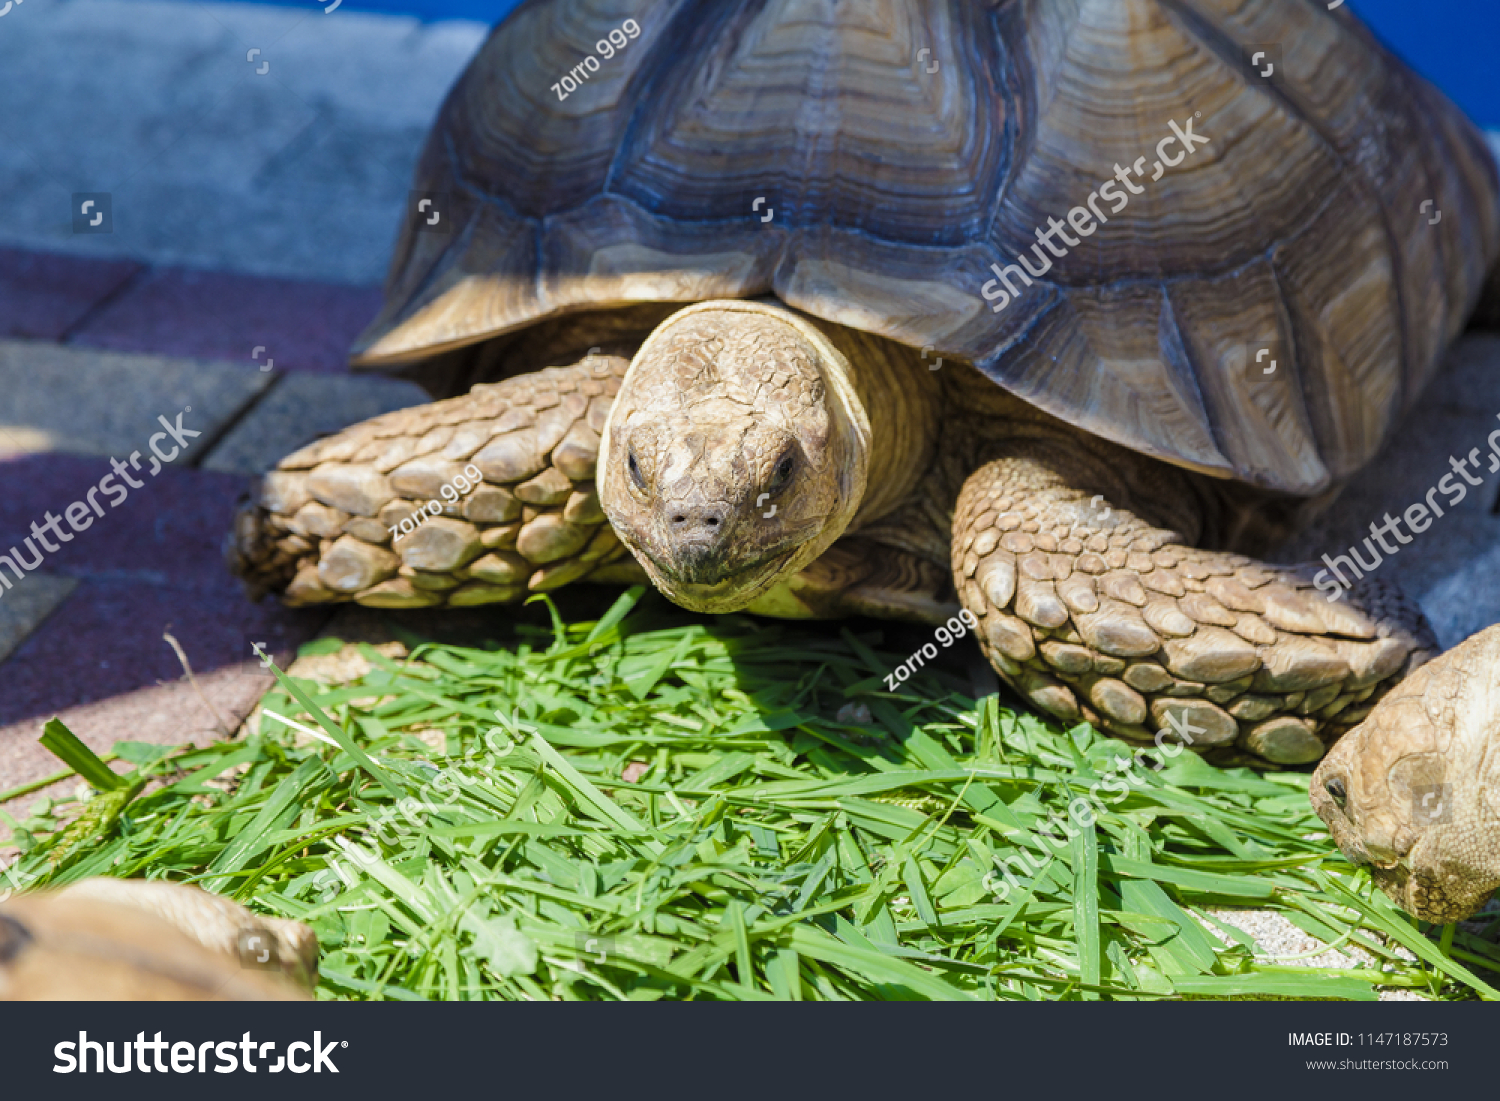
154	562
165	714
228	315
169	531
43	294
150	564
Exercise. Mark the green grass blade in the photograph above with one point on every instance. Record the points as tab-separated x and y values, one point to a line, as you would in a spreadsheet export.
66	746
770	849
1086	904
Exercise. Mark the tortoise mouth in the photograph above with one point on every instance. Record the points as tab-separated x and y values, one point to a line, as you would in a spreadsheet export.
732	591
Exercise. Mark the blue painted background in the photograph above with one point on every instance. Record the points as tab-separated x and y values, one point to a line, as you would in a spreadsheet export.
1451	42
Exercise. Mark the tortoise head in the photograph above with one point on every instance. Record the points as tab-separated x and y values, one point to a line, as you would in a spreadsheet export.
734	454
1411	791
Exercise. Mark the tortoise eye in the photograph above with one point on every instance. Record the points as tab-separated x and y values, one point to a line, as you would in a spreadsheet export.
1335	787
783	472
635	473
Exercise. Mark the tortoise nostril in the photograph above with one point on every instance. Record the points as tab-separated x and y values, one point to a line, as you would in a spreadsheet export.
697	522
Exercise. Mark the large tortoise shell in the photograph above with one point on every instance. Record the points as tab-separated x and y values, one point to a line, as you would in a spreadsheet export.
879	163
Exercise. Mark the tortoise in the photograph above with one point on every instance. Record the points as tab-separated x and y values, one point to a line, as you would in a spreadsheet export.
1061	314
138	940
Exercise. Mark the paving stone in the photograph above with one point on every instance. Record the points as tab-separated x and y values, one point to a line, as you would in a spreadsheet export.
106	641
166	714
362	173
154	564
1466	602
299	171
43	294
296	326
448	45
24	604
151	565
170	531
299	227
105	403
302	407
1444	567
326	60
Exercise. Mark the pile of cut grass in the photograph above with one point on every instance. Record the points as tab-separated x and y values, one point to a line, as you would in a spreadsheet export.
765	849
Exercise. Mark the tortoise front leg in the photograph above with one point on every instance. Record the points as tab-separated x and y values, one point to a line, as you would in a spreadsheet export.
389	513
1092	612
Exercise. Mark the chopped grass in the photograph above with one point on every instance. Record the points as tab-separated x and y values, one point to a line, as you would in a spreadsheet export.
765	849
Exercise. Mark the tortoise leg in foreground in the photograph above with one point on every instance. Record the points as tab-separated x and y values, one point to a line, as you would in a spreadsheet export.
1093	612
480	499
1414	790
129	939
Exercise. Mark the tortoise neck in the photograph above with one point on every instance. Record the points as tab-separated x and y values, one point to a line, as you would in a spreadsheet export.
902	401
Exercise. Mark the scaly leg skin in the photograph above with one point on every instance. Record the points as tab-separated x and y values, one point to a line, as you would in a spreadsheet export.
1414	790
321	528
1092	613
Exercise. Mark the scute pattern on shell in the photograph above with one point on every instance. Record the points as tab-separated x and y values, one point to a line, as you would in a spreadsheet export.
1298	223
